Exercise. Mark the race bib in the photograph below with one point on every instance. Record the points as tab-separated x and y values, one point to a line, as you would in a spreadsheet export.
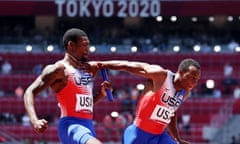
162	114
84	103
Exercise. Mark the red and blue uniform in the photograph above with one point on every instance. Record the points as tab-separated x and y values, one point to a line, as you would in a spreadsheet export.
153	115
76	103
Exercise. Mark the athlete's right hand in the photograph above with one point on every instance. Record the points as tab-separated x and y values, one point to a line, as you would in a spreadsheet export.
40	125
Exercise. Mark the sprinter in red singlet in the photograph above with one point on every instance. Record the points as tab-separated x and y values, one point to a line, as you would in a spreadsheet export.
165	91
72	80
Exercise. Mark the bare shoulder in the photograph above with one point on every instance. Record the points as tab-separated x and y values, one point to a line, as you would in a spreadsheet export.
154	68
157	71
94	66
55	69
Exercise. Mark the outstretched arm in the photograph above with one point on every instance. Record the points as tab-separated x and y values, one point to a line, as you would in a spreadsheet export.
139	68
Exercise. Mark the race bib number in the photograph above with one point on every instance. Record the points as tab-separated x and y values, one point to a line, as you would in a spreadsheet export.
162	114
84	103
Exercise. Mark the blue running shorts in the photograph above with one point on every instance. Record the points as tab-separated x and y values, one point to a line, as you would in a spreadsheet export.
134	135
73	130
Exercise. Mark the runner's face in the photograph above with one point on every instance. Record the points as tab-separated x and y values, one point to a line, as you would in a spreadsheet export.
81	49
190	78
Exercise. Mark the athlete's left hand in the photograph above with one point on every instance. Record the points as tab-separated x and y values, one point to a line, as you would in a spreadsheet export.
105	85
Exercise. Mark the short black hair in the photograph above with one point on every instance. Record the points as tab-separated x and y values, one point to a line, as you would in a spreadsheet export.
72	34
186	63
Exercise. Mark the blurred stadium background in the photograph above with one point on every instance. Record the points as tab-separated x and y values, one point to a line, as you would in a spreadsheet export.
155	31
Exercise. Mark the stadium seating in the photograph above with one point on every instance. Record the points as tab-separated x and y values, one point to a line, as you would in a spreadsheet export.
212	66
19	133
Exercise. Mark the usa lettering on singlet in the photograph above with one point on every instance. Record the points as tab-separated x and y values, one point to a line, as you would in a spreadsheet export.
170	102
76	98
164	113
84	100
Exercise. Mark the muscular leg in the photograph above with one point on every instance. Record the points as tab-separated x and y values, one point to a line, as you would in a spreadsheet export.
93	141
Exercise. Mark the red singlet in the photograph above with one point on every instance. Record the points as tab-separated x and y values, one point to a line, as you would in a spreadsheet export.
154	112
76	98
